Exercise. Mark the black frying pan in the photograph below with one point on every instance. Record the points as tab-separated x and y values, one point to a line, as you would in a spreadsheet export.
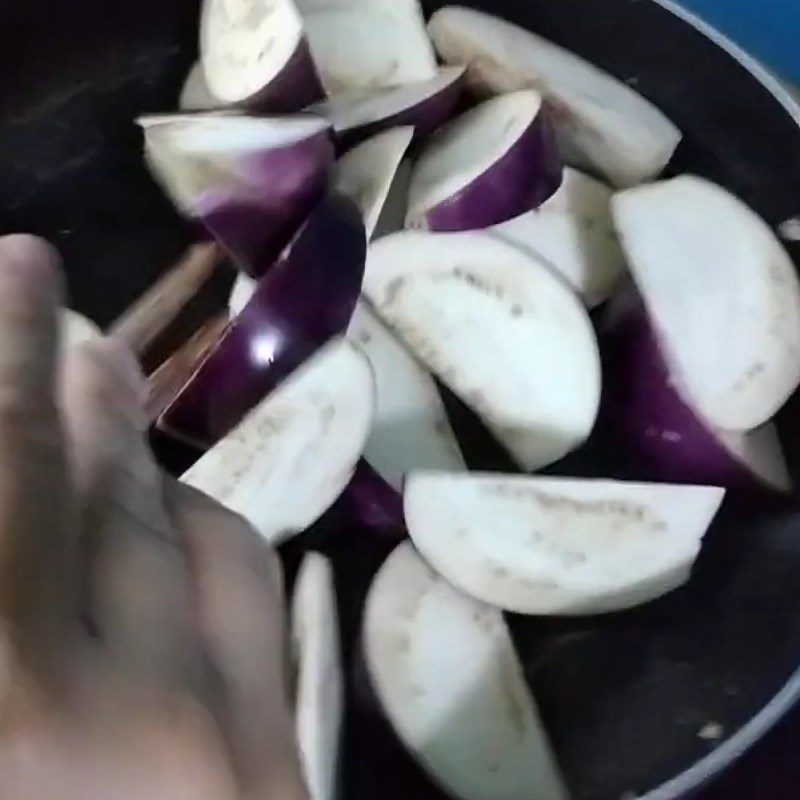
624	696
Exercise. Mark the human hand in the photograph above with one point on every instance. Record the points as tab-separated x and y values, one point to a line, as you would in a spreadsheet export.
141	625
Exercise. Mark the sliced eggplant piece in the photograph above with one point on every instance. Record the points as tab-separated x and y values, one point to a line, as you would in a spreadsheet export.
493	163
370	46
602	124
166	382
411	429
539	545
426	105
255	53
292	456
251	181
574	232
370	504
195	94
448	679
306	299
499	328
319	697
243	289
395	207
365	173
723	295
665	437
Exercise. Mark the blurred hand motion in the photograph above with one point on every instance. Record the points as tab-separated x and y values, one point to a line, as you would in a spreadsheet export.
141	625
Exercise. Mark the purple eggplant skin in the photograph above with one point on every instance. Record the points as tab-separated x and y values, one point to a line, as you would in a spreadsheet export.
296	86
255	226
665	438
369	504
306	298
520	181
426	117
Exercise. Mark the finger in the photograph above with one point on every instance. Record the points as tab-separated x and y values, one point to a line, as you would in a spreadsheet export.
140	593
35	516
241	606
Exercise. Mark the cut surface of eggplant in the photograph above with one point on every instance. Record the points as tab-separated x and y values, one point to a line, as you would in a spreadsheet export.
448	679
411	429
722	293
491	164
539	545
499	328
255	53
319	694
602	124
291	457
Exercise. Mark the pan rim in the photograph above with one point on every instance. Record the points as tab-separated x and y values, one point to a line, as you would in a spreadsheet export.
723	756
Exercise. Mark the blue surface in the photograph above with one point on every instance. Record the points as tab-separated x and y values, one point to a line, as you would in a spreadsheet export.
769	29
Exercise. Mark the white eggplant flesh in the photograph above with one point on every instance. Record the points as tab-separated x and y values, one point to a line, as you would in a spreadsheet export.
255	53
574	232
499	329
195	94
722	293
293	455
365	173
449	681
539	545
411	430
319	693
243	288
370	46
395	207
602	124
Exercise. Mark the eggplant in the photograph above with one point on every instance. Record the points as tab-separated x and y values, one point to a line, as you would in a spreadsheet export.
538	545
243	289
370	504
319	694
365	173
306	298
493	163
393	215
499	329
449	682
664	435
602	124
164	384
255	54
411	429
195	94
251	181
723	296
426	105
292	456
369	45
574	232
